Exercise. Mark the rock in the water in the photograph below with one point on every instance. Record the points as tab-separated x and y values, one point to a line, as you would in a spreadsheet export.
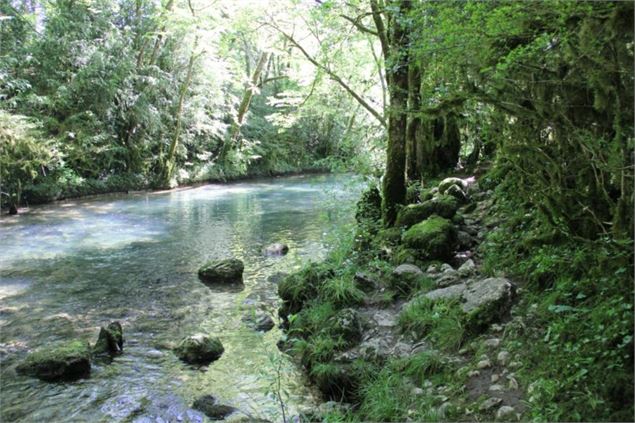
489	299
110	340
448	182
434	237
444	206
407	269
63	361
222	271
199	349
277	249
209	406
259	321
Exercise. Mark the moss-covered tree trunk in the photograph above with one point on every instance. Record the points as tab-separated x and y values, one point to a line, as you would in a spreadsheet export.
394	184
414	121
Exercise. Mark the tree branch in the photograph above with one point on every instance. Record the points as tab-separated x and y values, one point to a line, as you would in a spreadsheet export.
356	22
334	77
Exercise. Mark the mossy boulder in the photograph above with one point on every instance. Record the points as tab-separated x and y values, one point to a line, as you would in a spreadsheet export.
487	301
448	182
222	271
444	206
199	349
110	340
61	361
435	238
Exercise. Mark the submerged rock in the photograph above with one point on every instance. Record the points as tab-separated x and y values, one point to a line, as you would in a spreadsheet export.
258	320
209	406
199	349
276	249
110	340
434	237
222	271
62	361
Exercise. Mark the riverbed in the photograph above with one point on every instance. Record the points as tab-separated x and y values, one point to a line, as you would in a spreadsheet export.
68	268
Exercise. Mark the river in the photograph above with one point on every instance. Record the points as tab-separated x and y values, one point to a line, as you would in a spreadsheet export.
68	268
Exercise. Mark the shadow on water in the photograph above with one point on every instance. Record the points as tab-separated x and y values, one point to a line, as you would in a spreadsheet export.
135	259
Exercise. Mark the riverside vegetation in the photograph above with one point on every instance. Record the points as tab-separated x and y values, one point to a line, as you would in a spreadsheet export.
488	274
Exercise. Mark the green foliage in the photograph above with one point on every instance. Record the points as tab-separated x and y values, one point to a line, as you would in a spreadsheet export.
24	155
442	322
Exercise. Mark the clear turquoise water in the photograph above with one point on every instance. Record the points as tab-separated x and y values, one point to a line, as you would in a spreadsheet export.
68	268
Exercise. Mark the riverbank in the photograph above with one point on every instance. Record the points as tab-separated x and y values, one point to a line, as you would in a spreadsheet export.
47	193
468	310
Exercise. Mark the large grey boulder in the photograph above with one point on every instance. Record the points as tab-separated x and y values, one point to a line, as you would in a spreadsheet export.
222	271
452	292
199	349
491	295
61	361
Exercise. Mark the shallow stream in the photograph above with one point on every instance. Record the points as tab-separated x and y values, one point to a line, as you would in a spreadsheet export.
68	268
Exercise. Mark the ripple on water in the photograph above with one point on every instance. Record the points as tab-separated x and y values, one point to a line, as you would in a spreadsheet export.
76	266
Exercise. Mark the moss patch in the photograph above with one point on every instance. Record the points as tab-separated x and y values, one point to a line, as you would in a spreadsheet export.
435	238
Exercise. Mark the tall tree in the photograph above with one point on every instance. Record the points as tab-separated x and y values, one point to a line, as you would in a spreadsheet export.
394	42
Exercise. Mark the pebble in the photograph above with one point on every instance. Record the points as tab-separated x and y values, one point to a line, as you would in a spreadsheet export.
496	388
473	373
503	357
490	403
495	378
504	412
492	342
514	364
483	364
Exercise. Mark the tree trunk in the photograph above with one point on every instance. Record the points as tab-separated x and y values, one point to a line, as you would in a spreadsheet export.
168	168
394	184
414	121
244	105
